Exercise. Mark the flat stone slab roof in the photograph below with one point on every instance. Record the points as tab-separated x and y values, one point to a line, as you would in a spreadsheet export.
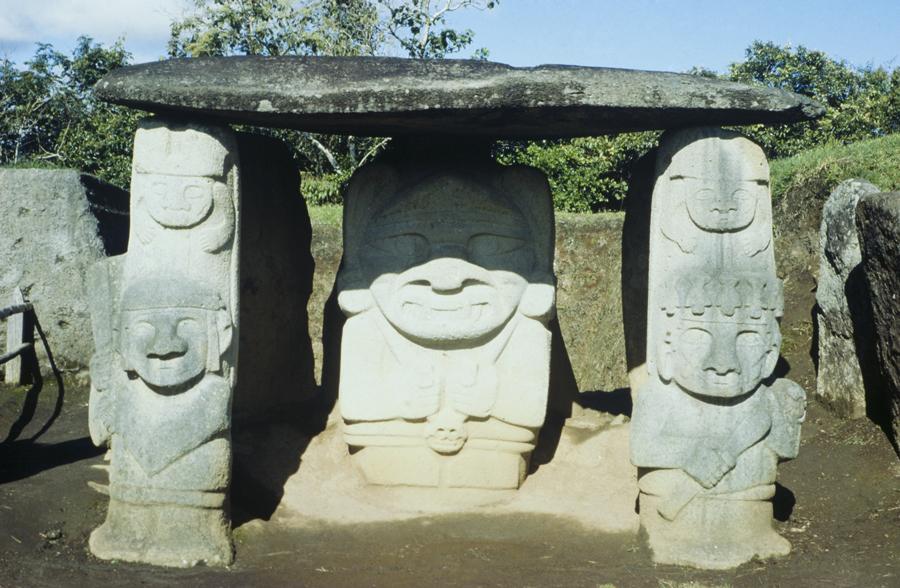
381	96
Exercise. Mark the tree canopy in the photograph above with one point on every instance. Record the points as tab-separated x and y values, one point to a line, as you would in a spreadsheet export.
48	115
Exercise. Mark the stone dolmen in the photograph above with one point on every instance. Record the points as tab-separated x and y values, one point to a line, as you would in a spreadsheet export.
447	285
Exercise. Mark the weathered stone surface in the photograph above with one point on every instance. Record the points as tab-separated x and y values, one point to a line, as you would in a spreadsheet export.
710	426
54	224
389	96
878	222
165	321
843	315
447	280
275	363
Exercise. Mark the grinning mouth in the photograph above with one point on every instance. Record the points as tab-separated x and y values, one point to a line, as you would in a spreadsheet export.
458	312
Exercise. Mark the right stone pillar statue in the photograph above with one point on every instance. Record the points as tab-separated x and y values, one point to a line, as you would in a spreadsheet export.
711	423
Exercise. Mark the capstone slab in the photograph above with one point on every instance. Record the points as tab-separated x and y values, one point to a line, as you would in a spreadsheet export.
381	96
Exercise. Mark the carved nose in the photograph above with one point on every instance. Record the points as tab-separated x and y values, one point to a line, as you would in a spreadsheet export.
722	359
167	344
447	275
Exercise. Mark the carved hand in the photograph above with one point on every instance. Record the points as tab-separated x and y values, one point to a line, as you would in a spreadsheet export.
792	402
418	401
476	397
708	466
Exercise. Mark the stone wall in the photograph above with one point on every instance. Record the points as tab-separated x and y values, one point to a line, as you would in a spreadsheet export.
55	224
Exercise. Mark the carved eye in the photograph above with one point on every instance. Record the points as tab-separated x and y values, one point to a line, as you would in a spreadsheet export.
695	340
142	330
486	246
195	191
706	195
411	247
750	340
188	327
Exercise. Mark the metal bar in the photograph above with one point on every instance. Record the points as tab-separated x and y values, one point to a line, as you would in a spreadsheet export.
19	336
14	353
15	309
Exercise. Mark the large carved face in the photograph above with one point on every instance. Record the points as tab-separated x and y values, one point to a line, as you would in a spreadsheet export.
177	201
166	347
716	355
448	262
726	205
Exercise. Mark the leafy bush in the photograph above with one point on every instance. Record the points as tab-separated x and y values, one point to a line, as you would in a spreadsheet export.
861	103
49	117
322	189
586	174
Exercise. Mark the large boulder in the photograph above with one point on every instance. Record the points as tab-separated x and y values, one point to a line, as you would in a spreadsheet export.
846	362
55	224
878	222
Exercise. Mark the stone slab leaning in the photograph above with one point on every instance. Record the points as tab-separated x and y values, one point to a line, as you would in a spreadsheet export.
846	365
878	222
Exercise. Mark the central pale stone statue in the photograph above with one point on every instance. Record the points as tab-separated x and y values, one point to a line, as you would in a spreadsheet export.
447	283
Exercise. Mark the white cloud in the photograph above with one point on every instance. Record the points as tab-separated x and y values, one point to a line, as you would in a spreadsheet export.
142	23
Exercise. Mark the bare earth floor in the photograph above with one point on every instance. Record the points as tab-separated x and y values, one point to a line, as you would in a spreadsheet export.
839	504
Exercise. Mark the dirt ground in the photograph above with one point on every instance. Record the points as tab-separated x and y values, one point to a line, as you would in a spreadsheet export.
838	503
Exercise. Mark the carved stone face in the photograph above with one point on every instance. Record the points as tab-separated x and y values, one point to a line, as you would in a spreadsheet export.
444	273
166	347
177	201
714	355
723	206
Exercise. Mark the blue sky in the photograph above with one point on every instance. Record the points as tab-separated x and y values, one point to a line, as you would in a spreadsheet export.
670	35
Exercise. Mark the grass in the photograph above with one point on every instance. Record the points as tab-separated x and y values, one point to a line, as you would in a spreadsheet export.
819	170
326	214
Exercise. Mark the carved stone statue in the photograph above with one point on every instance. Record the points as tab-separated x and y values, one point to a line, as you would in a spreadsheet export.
710	426
163	373
448	284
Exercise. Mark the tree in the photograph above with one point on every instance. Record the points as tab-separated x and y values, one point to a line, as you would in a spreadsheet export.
861	102
419	26
48	113
277	27
322	27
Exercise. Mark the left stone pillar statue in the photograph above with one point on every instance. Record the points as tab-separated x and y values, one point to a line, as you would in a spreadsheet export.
165	322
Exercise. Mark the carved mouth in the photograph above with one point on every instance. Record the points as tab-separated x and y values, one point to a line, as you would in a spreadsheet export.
722	381
456	313
446	444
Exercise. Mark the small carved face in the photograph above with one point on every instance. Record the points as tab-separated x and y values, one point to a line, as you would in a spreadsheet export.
177	201
442	275
724	206
445	432
166	347
715	356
